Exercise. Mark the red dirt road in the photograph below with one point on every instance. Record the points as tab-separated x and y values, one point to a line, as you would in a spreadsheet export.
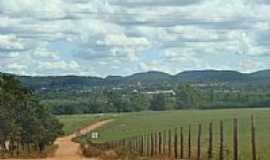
69	150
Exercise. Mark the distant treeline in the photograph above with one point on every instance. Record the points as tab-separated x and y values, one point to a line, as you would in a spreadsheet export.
149	79
130	100
205	89
25	125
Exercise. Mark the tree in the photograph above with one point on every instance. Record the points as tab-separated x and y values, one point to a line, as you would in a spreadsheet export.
139	102
189	97
158	102
23	121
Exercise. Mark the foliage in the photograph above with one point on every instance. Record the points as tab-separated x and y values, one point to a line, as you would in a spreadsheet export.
23	121
189	97
158	103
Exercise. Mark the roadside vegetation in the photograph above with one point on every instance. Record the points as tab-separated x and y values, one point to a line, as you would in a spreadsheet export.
26	127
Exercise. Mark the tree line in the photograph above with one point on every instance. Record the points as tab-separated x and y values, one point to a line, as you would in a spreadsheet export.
25	125
108	100
127	100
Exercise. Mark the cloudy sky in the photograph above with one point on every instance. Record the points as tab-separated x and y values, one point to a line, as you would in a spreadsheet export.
121	37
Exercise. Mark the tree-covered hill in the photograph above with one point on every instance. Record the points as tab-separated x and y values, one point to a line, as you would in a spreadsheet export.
208	76
261	74
152	78
60	82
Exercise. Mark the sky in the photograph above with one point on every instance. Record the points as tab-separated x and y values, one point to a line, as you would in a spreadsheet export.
122	37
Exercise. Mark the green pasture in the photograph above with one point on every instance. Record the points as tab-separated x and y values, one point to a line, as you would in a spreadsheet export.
132	124
74	122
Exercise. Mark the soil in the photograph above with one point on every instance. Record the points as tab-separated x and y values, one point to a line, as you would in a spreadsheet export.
69	150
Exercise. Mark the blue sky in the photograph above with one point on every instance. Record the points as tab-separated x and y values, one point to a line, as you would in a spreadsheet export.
121	37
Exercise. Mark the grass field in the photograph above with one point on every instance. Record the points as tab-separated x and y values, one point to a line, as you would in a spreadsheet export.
73	122
131	124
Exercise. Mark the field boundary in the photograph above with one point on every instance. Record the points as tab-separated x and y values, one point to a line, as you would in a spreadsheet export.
174	144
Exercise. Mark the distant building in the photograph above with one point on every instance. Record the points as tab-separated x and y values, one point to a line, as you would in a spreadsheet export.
117	88
170	92
43	88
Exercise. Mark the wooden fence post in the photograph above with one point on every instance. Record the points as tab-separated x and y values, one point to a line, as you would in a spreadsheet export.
175	144
210	149
138	144
221	145
152	145
142	145
235	139
160	143
165	142
156	143
130	145
133	140
253	138
170	142
181	143
199	142
148	145
189	141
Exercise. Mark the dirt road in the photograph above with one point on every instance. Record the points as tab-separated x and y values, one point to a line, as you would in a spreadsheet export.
69	150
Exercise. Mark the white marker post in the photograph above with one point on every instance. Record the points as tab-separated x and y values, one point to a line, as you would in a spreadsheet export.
94	135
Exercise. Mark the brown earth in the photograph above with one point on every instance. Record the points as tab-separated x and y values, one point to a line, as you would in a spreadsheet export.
69	150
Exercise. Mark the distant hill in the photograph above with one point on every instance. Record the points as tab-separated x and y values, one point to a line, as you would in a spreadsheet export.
211	76
60	82
151	78
260	78
147	78
260	75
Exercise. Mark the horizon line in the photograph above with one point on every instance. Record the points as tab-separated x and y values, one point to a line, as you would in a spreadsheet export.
74	75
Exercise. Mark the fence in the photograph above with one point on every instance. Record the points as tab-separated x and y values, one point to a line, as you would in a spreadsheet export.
171	143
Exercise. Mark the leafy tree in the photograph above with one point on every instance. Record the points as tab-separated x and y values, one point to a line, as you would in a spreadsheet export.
139	102
158	103
23	121
189	97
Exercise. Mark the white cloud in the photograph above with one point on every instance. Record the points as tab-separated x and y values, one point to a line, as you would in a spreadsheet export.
171	35
244	65
36	8
123	40
10	42
15	66
44	54
58	65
